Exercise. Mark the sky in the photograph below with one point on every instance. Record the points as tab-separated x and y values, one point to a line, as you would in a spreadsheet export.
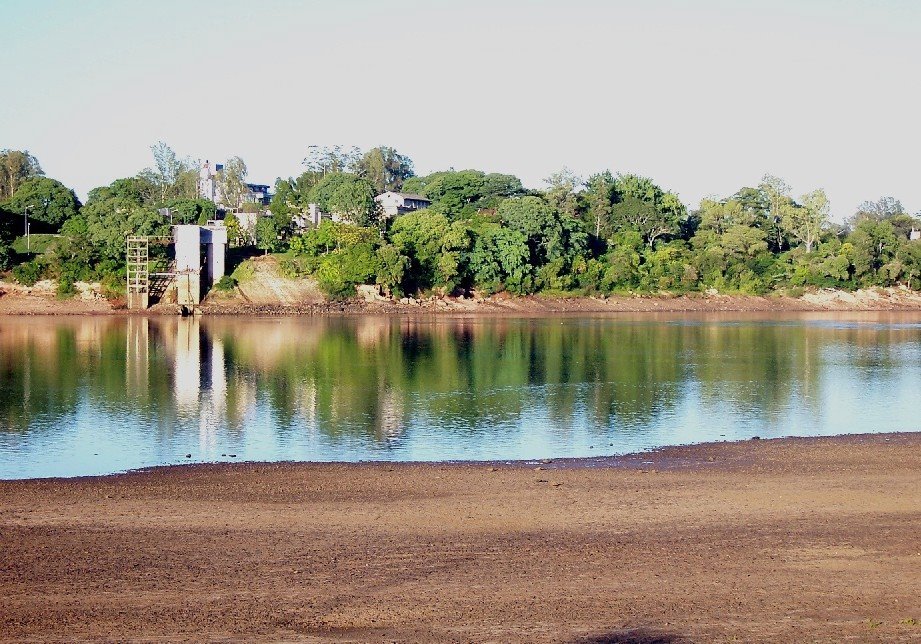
703	96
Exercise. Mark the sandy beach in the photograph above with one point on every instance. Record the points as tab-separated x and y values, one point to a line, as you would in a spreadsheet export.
781	540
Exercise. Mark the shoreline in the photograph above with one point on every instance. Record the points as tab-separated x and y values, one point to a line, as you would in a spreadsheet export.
787	539
22	303
684	456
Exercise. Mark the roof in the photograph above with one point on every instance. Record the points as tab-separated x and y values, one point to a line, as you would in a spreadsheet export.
406	195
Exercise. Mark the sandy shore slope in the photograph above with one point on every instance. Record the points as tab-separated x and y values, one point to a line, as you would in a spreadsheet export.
783	540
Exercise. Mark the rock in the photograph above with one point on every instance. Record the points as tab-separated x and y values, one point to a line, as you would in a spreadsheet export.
188	456
232	455
542	480
756	438
493	469
538	469
546	461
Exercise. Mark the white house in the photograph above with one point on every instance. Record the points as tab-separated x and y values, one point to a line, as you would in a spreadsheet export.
398	203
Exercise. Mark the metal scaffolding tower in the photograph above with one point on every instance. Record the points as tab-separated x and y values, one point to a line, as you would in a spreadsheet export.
138	272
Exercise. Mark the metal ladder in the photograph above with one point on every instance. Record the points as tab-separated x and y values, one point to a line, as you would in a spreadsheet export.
138	271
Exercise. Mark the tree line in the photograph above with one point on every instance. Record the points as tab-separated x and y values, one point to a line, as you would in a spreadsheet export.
483	233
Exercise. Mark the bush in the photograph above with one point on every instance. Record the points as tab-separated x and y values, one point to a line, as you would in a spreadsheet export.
226	283
29	273
66	289
244	272
113	286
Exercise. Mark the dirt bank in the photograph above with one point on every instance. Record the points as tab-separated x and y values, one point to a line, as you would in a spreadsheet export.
16	300
786	540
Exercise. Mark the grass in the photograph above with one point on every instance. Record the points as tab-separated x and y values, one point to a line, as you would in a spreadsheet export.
244	272
38	243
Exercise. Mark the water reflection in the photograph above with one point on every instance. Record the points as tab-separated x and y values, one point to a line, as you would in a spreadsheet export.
95	395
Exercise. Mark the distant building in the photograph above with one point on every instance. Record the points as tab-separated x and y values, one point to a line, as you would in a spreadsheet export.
394	204
209	186
257	193
914	234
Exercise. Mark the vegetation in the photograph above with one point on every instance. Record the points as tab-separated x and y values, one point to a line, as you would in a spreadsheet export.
483	232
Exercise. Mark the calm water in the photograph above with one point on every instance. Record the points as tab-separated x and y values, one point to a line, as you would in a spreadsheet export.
99	395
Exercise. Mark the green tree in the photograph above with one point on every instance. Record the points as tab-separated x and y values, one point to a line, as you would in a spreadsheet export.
720	216
500	259
806	223
392	267
550	235
599	197
455	194
561	191
48	202
6	237
643	206
323	160
777	194
435	247
353	200
232	182
15	167
346	195
268	233
173	178
385	168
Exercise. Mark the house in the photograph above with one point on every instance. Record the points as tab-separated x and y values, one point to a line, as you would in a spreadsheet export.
209	184
209	187
257	193
398	203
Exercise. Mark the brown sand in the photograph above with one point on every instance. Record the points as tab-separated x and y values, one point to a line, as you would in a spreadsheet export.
784	540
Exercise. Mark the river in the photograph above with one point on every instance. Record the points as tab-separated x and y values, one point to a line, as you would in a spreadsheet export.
97	395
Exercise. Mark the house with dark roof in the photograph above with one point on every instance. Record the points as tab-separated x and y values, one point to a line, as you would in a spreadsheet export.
398	203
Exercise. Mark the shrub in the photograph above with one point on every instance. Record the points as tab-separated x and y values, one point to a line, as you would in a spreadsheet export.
244	272
29	273
226	283
113	286
66	288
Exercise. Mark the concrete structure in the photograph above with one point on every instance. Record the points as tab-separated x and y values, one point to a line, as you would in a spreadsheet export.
193	278
398	203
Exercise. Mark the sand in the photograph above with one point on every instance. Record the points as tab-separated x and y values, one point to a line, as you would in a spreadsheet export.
781	540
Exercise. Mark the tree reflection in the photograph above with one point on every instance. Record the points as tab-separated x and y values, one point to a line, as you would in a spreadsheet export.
375	379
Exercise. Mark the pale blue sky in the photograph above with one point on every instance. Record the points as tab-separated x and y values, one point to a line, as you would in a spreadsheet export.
704	96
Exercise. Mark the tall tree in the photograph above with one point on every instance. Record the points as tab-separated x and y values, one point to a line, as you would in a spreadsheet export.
879	210
346	195
173	177
599	196
15	167
233	182
325	160
806	222
643	207
385	168
777	192
561	191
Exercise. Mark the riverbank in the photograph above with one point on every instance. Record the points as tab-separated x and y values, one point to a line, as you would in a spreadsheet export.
781	540
281	299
